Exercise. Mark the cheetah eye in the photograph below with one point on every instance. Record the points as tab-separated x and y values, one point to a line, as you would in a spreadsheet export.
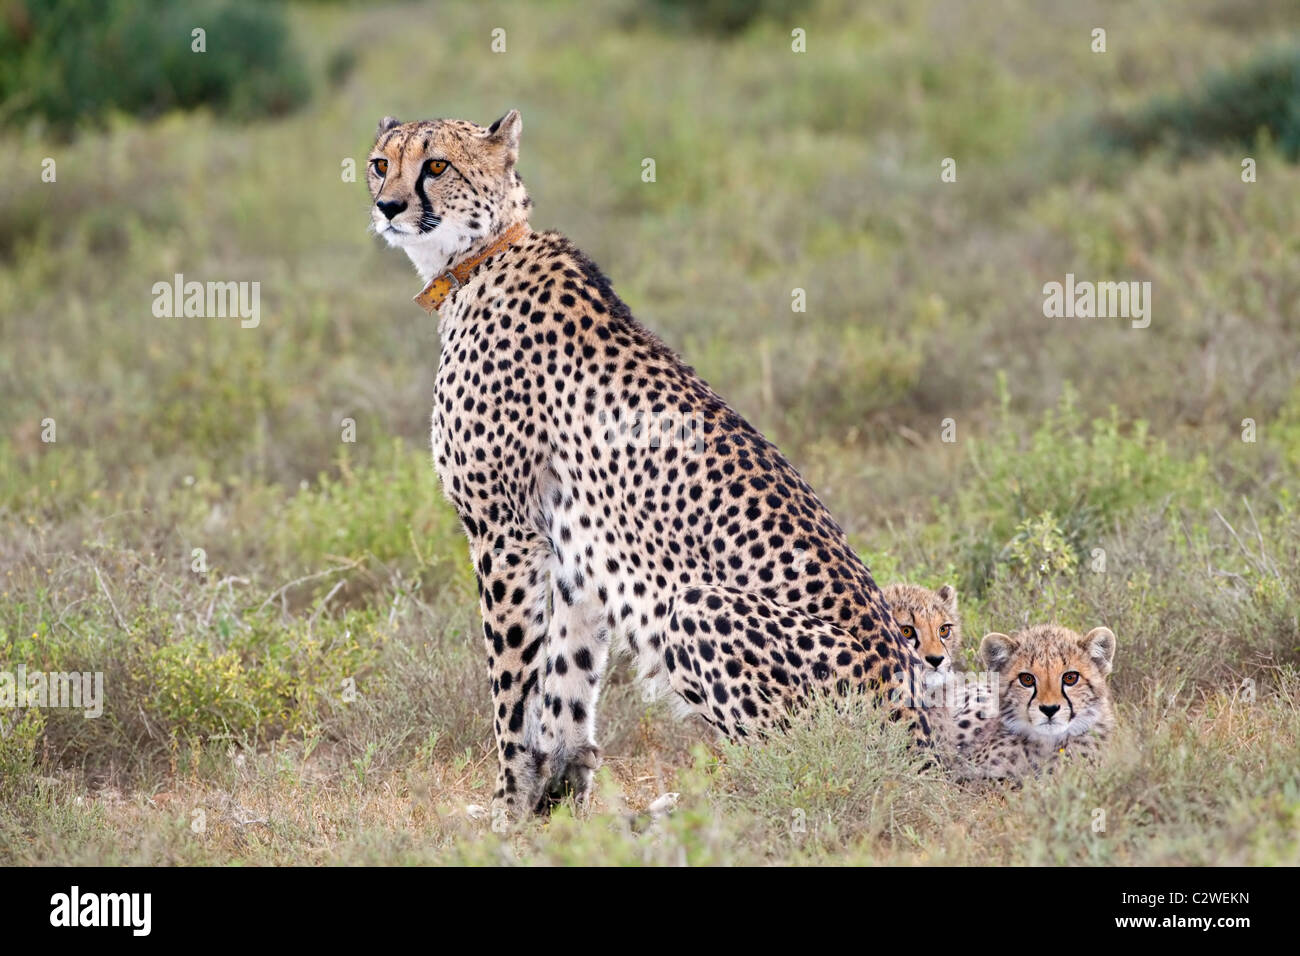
945	630
1070	678
436	167
380	166
909	632
1026	680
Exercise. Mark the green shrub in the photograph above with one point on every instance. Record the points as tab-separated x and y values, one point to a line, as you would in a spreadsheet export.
1232	108
268	679
20	732
1033	501
1040	549
247	676
67	60
722	17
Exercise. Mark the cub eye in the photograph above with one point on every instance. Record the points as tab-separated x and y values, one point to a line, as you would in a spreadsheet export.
1026	680
945	630
909	632
436	166
1070	678
380	166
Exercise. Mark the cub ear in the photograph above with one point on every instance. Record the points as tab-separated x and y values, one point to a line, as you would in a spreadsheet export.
948	595
504	133
996	649
385	124
1099	644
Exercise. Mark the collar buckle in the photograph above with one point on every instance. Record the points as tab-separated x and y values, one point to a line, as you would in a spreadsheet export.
445	283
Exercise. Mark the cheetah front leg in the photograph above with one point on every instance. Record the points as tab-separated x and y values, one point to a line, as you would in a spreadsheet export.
577	650
513	574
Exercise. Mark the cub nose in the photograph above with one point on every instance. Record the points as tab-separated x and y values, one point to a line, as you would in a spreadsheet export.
1049	709
934	660
391	209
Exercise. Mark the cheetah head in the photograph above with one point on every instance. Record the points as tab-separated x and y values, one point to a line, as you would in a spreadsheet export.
929	622
1052	682
443	187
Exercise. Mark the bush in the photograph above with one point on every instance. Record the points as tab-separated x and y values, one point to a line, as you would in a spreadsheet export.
69	60
1234	107
20	732
1044	503
722	17
838	777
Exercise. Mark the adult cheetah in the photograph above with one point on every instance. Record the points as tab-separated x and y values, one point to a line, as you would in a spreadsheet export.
607	492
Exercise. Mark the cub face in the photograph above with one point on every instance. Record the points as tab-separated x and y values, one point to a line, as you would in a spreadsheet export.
440	185
1052	682
929	621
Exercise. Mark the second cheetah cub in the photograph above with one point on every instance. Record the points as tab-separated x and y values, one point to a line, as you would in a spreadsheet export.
929	622
1052	701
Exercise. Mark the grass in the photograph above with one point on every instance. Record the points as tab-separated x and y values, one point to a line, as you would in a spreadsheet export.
285	618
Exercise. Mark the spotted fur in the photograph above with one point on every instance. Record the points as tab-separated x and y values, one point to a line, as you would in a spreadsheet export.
700	550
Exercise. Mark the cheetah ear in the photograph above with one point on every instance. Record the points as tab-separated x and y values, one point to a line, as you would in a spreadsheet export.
1099	643
996	649
504	134
948	595
385	124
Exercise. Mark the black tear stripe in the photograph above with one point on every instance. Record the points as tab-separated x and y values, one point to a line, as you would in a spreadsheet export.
1066	695
426	208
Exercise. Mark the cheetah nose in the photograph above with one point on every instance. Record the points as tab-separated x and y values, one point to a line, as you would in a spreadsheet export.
934	660
391	209
1049	709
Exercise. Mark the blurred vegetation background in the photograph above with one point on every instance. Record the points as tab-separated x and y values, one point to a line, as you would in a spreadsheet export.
1077	440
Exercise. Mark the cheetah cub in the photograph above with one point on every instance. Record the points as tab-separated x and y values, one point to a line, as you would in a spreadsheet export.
929	621
1052	701
958	704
